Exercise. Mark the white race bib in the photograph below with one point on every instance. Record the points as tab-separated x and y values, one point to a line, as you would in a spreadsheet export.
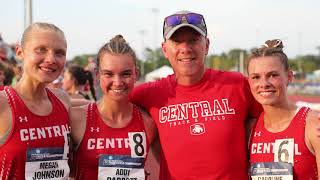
272	171
138	144
284	150
46	163
120	167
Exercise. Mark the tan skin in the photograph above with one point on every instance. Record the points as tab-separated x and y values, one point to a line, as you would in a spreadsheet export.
44	56
117	75
186	51
268	81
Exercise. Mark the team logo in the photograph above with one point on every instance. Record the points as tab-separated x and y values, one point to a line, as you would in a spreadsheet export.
197	129
23	119
257	134
95	129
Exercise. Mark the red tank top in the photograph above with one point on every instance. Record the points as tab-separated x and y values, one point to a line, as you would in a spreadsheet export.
37	146
1	88
263	142
100	141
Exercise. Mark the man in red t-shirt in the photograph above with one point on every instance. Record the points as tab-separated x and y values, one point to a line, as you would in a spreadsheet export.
200	113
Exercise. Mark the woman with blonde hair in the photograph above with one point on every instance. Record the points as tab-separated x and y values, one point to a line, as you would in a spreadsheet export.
112	136
284	142
34	120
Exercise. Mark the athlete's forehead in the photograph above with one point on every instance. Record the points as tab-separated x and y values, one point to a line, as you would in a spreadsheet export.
265	64
117	62
38	35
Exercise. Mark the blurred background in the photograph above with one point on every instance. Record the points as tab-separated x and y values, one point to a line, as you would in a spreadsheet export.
234	28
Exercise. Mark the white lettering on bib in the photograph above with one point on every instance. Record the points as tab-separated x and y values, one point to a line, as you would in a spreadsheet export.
48	163
113	167
271	171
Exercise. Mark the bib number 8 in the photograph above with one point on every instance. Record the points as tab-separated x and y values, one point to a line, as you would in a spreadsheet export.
138	148
137	144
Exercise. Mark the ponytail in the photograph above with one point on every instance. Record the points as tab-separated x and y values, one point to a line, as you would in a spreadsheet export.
90	80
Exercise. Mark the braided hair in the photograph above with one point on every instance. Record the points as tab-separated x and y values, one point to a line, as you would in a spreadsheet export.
271	48
115	46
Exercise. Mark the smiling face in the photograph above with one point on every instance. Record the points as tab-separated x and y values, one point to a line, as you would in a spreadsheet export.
268	80
44	55
186	51
117	74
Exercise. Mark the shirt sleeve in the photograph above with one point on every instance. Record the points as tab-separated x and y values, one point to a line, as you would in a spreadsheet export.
140	95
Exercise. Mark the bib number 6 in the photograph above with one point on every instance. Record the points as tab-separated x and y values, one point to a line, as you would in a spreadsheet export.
283	150
137	144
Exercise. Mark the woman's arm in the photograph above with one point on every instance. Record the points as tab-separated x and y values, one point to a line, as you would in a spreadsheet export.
312	135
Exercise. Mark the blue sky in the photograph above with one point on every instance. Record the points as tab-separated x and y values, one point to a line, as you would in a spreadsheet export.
88	24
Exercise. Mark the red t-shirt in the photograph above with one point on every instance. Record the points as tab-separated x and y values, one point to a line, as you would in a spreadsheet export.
37	146
100	141
201	127
263	142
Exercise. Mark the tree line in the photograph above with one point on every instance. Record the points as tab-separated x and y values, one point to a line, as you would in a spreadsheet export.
154	58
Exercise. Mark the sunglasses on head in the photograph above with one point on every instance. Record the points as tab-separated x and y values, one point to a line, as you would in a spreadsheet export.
191	18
